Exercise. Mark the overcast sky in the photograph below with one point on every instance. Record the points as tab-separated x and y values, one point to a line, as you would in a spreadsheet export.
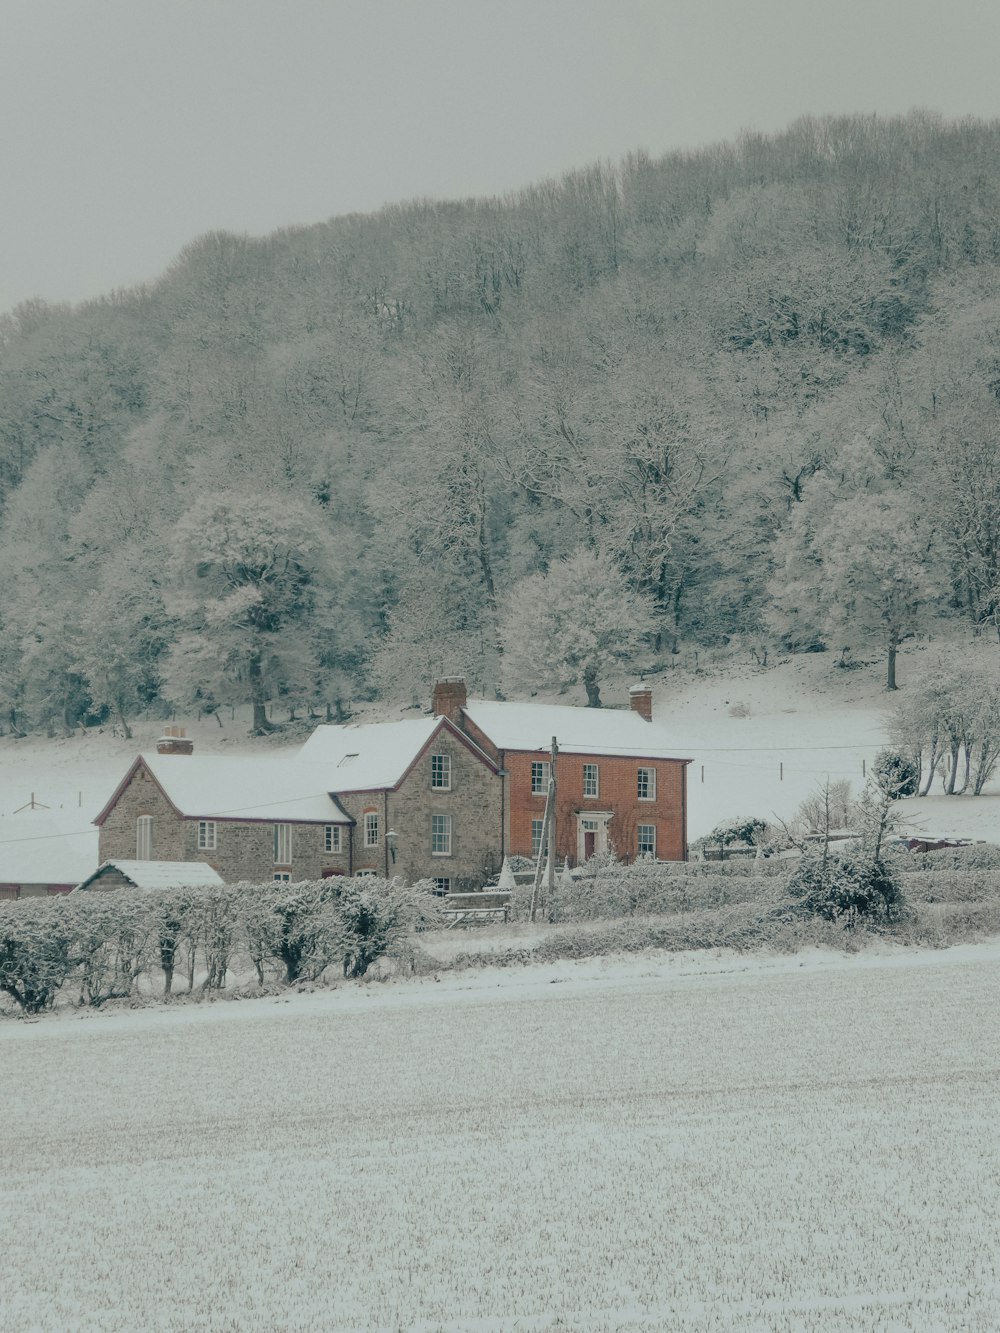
132	126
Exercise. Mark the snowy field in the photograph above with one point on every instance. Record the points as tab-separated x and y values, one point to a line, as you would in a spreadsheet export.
692	1142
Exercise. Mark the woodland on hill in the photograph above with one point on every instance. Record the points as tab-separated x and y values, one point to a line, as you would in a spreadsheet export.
745	395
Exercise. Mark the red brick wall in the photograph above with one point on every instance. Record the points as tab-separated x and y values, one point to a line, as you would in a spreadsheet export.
618	786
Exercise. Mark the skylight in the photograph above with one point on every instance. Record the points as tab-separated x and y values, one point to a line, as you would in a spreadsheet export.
347	759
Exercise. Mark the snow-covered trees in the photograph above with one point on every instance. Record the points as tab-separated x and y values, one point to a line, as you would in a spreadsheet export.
857	570
571	624
756	379
255	591
949	723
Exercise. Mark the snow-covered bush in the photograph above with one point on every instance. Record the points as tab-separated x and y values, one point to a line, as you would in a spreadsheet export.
978	856
113	939
896	773
846	888
375	917
36	951
651	888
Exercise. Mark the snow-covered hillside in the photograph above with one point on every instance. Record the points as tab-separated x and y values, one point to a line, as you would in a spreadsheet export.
760	741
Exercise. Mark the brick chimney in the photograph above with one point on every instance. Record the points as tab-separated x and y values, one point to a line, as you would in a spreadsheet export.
174	741
640	700
450	698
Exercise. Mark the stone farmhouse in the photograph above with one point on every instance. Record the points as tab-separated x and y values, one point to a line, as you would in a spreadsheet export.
442	797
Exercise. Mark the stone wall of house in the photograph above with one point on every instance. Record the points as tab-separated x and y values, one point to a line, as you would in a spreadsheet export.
473	802
142	796
244	849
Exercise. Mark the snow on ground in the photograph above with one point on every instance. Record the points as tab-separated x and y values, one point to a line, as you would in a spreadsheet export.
761	741
689	1142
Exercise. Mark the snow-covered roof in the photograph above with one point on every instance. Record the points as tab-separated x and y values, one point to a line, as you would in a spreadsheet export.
367	757
47	847
611	731
161	874
278	787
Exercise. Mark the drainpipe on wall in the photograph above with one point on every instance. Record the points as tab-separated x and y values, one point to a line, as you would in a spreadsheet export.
385	829
503	775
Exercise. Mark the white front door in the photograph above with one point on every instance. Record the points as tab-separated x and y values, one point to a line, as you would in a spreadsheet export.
591	835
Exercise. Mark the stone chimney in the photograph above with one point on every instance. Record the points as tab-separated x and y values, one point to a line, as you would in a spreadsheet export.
640	700
174	741
450	698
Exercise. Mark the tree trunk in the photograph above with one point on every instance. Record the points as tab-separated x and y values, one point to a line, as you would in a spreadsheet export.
931	766
258	699
949	784
591	686
890	683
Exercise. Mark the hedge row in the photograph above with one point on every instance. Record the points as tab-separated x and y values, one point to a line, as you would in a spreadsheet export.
97	946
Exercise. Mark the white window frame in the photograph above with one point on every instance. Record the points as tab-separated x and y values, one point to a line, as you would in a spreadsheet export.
650	848
442	886
207	835
281	877
440	772
537	828
371	828
540	769
440	835
144	838
366	874
650	784
332	838
282	843
591	779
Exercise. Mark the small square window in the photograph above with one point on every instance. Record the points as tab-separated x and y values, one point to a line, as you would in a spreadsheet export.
441	835
646	785
442	887
206	835
331	838
591	784
441	772
539	778
647	840
537	825
371	829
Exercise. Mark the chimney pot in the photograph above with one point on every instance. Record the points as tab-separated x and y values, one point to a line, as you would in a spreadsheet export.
174	741
640	700
450	697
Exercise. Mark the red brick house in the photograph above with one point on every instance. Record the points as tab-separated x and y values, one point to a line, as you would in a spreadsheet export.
618	785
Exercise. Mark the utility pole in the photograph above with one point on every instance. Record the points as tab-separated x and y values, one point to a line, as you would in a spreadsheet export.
547	842
550	886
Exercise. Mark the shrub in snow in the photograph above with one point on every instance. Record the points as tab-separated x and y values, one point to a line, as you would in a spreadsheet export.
846	888
980	856
36	951
896	773
375	917
113	939
651	888
292	926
